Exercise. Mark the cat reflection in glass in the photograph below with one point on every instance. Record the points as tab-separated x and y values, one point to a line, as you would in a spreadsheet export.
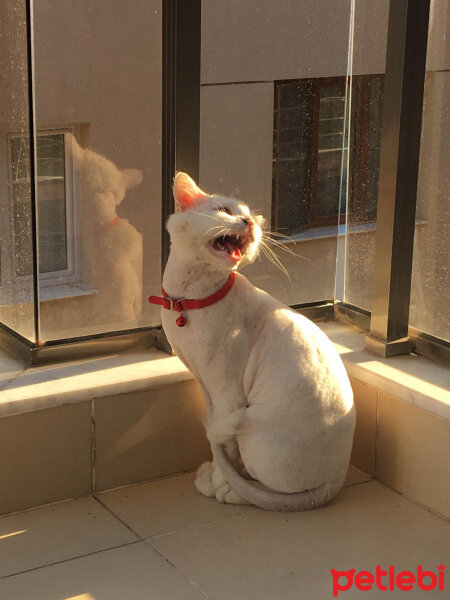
110	250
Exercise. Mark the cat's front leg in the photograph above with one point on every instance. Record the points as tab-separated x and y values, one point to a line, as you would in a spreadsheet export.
209	480
203	480
222	423
223	490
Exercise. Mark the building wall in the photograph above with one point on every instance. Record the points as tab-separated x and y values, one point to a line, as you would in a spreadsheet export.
249	44
246	46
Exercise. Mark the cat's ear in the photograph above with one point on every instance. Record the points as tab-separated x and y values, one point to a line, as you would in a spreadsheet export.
73	148
133	177
186	192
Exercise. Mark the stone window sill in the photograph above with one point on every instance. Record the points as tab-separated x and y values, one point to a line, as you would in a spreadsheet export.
47	293
414	379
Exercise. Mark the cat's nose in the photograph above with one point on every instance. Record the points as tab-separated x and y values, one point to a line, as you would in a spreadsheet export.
248	221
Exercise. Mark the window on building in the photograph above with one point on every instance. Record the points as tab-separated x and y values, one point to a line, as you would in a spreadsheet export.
56	209
308	160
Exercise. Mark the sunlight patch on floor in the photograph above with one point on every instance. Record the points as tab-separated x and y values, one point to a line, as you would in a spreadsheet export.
12	534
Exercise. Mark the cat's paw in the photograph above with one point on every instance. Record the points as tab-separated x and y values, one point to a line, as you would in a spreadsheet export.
227	495
203	480
210	482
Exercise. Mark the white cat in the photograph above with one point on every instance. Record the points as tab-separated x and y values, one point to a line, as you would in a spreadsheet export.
278	399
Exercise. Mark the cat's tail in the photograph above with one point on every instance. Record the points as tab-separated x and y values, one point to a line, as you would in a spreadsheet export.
263	497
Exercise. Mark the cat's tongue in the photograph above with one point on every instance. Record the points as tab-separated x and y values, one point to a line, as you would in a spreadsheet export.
233	251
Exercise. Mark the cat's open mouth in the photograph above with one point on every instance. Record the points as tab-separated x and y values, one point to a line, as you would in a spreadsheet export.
232	246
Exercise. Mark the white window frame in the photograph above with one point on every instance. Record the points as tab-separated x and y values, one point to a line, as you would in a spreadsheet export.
72	274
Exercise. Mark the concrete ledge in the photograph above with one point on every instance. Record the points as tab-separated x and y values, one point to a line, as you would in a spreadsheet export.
43	387
73	449
70	429
414	379
402	435
45	456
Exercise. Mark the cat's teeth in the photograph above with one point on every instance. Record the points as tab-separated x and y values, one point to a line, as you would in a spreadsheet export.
232	244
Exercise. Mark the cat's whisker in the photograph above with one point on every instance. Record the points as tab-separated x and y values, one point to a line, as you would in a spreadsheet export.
221	231
281	246
194	212
285	249
273	258
268	256
267	248
218	227
277	233
271	235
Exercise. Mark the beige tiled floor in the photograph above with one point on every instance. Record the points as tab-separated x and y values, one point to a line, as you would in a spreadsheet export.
161	540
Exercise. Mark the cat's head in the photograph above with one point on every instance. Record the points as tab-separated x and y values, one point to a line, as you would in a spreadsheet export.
104	185
211	228
102	176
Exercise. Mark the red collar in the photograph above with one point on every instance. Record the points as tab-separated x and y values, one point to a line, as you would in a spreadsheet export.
112	223
182	305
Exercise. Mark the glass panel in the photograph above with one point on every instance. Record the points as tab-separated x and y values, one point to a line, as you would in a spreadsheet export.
292	170
266	65
430	309
330	147
98	117
51	203
16	290
357	247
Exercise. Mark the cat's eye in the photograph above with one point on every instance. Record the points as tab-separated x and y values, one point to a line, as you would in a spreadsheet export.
224	209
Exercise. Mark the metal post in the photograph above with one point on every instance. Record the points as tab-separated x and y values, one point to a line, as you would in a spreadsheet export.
399	163
187	146
169	26
33	170
181	98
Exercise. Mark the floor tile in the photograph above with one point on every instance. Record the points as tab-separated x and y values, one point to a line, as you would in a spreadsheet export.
134	572
55	533
166	505
263	555
173	503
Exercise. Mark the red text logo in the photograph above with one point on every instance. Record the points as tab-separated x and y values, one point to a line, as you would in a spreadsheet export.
388	580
